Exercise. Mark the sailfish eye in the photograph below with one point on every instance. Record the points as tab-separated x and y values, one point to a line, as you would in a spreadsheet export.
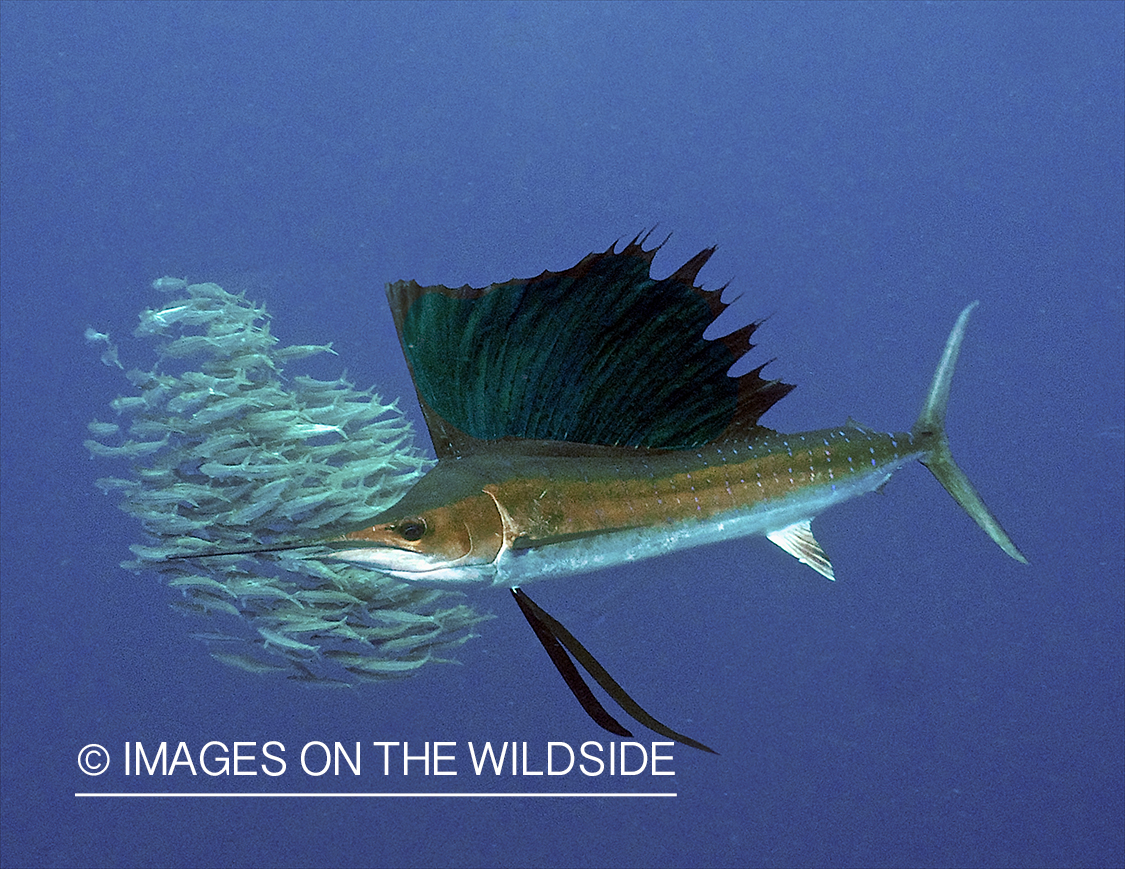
411	529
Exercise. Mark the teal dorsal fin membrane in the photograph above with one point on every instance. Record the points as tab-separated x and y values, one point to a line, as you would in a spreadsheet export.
601	353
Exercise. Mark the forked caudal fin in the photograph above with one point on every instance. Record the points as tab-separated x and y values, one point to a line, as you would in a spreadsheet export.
930	426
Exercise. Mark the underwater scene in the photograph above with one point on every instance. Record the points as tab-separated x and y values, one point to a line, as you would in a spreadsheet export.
514	433
232	452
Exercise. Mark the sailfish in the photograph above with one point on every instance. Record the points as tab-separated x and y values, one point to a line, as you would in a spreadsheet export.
582	419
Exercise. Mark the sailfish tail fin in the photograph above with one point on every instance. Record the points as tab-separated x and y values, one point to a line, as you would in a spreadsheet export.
930	426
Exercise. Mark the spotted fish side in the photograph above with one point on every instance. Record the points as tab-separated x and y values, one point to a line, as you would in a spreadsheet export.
568	517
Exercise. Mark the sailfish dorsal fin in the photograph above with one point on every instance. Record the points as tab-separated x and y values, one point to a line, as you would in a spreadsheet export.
601	353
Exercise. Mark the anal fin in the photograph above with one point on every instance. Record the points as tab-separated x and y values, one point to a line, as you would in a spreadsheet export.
797	539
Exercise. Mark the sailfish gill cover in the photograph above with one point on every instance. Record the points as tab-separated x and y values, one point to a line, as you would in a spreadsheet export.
228	451
601	353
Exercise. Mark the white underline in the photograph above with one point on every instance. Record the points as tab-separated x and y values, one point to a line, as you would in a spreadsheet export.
484	795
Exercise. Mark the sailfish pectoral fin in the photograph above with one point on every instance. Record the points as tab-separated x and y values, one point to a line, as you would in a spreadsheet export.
558	641
797	539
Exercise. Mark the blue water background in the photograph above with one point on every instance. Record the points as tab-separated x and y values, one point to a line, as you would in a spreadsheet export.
865	169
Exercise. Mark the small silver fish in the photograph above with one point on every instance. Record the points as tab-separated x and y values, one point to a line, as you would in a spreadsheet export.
169	285
273	638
